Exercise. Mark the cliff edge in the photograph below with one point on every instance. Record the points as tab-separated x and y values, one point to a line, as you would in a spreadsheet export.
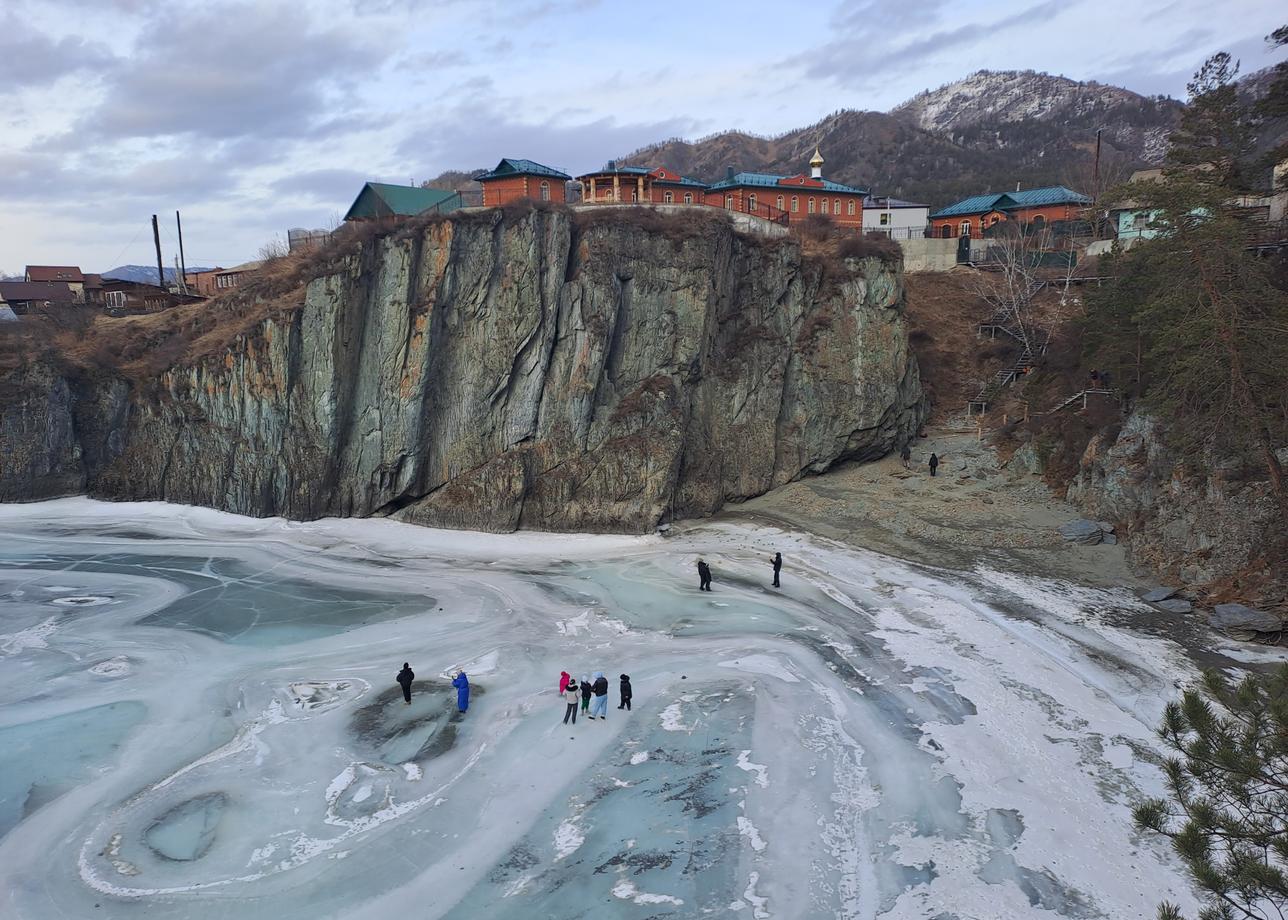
493	370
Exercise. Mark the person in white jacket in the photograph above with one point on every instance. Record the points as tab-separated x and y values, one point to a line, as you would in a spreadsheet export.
572	696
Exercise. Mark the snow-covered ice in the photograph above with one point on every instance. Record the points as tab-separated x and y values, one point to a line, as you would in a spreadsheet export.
198	719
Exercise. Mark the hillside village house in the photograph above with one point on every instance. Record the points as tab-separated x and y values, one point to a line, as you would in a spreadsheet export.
30	296
790	198
1033	208
217	280
380	199
640	183
121	297
516	179
70	275
894	218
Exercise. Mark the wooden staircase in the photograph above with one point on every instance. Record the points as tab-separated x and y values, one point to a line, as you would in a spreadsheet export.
1003	321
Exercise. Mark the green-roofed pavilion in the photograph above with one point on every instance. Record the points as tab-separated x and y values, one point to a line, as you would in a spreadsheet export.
377	199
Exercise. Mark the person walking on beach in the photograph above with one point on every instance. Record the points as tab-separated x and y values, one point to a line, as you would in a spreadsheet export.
599	706
586	690
704	576
569	695
624	691
905	457
404	678
462	685
778	567
934	464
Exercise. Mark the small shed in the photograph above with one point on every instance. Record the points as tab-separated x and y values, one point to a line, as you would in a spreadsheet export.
378	199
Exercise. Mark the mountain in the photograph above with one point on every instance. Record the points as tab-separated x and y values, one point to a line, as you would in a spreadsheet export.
983	133
145	273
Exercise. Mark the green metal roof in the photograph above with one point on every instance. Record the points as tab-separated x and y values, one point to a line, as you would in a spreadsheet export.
1009	201
378	199
514	167
765	179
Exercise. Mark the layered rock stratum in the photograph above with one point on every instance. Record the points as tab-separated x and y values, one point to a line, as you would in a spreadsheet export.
526	368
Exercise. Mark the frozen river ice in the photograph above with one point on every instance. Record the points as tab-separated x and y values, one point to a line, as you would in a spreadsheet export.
198	719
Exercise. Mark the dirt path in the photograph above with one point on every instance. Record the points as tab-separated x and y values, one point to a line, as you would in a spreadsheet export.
973	511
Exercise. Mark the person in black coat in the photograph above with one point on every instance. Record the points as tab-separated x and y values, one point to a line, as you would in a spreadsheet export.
934	464
404	678
586	692
778	567
625	692
704	576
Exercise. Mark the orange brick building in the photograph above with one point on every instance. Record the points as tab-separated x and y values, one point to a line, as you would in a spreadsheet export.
640	183
1034	208
515	180
788	199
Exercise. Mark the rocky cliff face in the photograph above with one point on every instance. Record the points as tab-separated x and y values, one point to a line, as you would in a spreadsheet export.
504	370
1196	527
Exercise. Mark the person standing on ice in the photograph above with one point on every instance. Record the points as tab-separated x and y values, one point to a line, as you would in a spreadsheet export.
704	576
564	679
778	567
934	463
569	695
462	685
586	691
599	706
404	678
624	691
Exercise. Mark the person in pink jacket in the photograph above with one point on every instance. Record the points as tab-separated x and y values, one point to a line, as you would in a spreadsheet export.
564	677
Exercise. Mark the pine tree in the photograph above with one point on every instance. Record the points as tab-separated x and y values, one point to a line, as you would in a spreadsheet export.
1227	810
1193	318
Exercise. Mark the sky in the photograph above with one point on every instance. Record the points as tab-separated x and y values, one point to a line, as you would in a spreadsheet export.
254	117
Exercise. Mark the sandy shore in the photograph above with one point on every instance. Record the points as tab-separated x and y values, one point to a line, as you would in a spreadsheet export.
974	511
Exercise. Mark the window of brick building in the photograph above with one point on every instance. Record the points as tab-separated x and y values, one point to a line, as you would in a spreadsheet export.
780	202
849	208
545	191
811	205
751	202
796	204
688	198
836	206
668	197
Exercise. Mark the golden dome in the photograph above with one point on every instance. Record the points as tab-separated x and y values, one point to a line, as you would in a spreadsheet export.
817	158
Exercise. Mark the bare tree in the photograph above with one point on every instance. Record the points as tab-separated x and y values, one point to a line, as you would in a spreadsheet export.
274	249
1010	278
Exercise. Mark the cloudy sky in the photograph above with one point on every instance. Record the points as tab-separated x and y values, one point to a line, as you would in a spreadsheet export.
252	117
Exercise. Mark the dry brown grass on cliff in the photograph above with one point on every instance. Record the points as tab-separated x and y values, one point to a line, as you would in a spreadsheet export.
676	225
943	312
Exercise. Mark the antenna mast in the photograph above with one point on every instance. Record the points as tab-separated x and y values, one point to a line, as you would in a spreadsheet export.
156	239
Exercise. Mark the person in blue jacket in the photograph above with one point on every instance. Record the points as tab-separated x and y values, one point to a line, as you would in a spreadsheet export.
462	685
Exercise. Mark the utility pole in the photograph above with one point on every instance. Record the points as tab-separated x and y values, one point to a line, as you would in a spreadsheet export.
1095	174
183	265
156	238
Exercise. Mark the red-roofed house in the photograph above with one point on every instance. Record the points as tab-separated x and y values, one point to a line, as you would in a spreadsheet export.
71	274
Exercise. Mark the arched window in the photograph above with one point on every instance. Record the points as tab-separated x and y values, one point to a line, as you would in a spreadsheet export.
836	206
751	202
729	202
796	204
849	207
1039	222
965	228
668	197
811	204
945	231
545	191
688	198
780	202
823	209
